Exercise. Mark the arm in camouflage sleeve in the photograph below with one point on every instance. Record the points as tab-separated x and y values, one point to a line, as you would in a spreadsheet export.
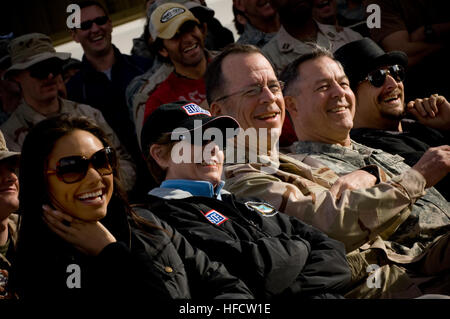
357	217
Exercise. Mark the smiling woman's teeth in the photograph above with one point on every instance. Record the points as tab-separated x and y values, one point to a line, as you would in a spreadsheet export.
91	195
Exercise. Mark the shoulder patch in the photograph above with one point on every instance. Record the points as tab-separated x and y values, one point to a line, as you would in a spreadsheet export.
194	109
215	217
264	209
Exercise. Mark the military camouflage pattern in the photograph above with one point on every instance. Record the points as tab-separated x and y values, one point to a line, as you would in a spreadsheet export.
5	264
430	215
283	48
25	117
299	187
254	36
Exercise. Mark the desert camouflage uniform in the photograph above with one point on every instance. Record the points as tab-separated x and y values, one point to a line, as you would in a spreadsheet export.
430	215
423	238
298	186
283	48
5	264
254	36
25	117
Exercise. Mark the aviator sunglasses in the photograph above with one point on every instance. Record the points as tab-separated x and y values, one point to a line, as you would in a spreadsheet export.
73	169
86	25
377	77
42	69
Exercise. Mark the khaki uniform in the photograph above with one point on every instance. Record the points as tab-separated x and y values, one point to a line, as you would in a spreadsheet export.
25	117
363	219
283	48
5	264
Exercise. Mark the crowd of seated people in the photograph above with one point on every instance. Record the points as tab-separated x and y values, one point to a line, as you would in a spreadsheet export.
282	165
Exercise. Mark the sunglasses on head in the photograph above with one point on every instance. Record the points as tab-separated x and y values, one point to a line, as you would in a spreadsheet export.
86	25
42	69
377	77
73	169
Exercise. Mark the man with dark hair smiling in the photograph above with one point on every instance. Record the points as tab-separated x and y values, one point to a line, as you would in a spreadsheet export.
322	105
359	209
376	78
104	75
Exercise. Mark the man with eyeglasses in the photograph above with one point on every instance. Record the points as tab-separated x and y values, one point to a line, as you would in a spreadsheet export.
354	208
104	75
381	117
320	100
37	68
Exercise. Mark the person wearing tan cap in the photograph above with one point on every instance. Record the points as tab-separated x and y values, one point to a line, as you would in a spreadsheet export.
9	203
37	68
180	41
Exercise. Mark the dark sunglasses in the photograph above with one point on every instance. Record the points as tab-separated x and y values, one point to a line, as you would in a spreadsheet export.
42	69
73	169
86	25
377	77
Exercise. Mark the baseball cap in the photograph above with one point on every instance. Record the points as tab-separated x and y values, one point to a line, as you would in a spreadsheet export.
184	117
168	18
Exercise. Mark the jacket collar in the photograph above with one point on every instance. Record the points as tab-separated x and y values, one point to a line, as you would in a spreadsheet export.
182	188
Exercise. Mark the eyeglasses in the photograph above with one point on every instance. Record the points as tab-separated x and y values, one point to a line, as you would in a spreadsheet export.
255	90
73	169
377	77
86	25
42	69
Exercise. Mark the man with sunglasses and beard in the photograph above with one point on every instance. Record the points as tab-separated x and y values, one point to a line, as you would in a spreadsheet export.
37	68
180	42
380	121
322	105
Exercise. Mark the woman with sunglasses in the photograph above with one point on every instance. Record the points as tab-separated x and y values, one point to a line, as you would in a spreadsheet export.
79	238
277	256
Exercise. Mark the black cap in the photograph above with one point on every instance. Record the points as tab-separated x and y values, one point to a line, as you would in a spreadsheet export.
183	116
361	57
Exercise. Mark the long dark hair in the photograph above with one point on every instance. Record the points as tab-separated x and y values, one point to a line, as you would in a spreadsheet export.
36	242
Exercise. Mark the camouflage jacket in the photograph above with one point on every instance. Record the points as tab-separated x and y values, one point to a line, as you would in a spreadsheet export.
430	214
284	48
5	259
254	36
301	188
25	117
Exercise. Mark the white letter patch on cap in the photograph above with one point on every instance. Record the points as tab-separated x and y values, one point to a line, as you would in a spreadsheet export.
171	13
194	109
215	217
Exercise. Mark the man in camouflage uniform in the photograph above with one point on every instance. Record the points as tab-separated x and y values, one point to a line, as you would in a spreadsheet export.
298	30
322	105
9	203
37	68
262	22
358	209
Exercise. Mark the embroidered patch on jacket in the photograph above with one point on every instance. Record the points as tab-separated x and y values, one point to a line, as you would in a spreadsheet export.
262	208
194	109
215	217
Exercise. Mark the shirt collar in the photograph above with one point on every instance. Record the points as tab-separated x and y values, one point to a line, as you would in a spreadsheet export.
287	42
196	188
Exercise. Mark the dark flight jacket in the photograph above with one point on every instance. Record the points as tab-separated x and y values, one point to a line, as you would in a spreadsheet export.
276	255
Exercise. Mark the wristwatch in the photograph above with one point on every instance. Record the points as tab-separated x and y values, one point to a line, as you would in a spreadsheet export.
430	35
